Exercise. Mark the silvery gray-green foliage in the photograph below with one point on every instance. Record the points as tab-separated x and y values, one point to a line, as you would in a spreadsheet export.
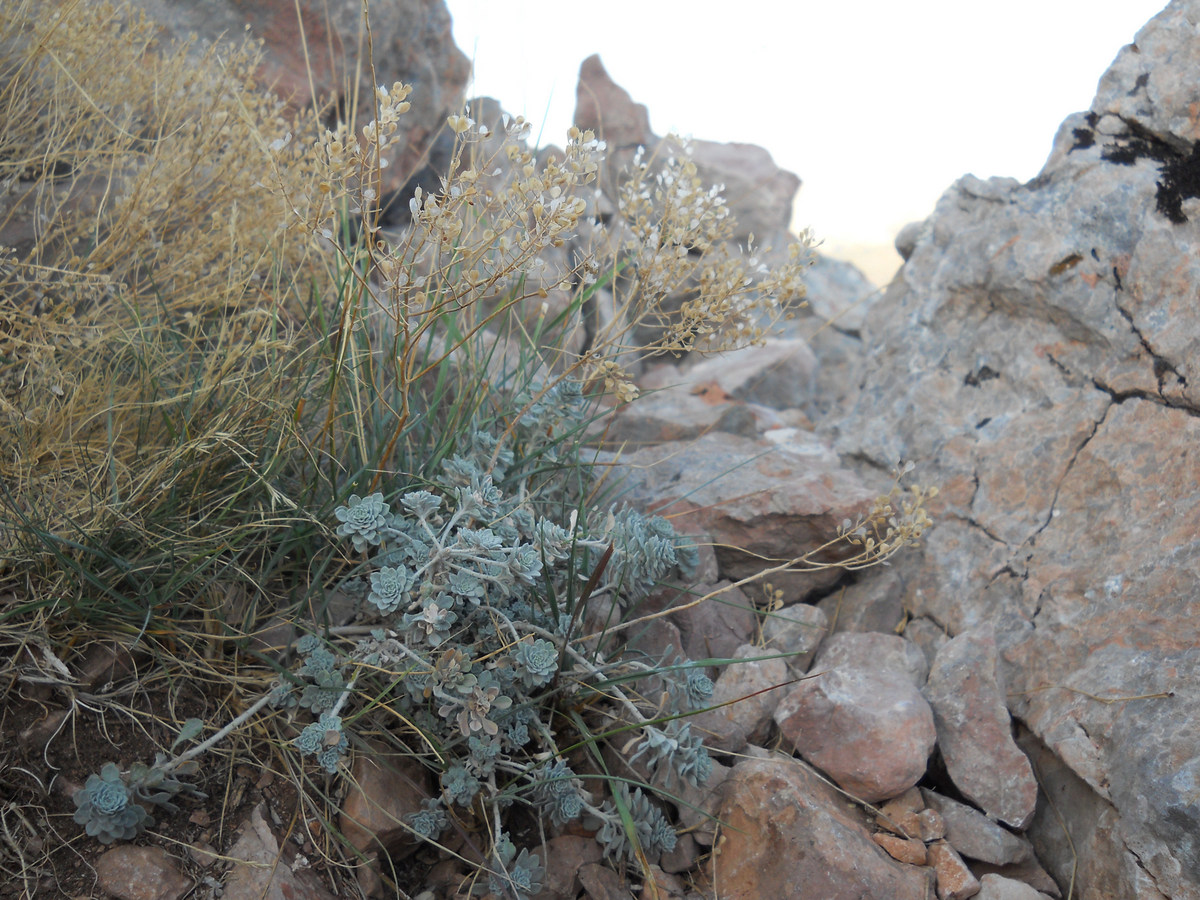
115	806
474	578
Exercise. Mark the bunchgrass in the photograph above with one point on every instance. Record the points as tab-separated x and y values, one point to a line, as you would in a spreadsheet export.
211	353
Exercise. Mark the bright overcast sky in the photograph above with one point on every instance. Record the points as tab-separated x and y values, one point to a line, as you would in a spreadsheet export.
878	105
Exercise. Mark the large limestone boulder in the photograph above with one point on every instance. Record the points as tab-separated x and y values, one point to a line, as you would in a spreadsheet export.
1039	354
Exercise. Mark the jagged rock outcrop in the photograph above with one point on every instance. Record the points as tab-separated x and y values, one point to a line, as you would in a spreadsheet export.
1038	355
312	49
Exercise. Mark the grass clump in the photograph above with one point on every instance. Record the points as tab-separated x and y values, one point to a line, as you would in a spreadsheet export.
226	407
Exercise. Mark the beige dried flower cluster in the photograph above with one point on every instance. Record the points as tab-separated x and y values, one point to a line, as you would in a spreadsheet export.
679	232
514	230
896	520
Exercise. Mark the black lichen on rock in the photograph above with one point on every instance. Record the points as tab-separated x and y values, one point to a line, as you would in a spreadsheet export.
1180	171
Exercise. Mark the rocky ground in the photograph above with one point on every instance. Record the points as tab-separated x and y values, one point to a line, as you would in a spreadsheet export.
1011	712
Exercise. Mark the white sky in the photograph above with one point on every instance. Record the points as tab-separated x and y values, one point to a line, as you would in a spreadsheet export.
878	105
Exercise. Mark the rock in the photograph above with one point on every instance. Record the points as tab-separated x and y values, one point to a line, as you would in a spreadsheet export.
974	731
795	630
604	107
661	885
563	857
871	734
1029	873
900	815
997	887
954	879
383	788
839	294
1093	826
774	501
683	858
698	811
907	238
715	628
1037	355
756	686
787	834
141	873
931	825
260	871
875	604
602	883
678	414
759	194
927	635
885	655
975	835
779	375
904	850
412	42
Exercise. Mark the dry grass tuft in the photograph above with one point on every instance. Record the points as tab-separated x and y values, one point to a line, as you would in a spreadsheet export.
144	320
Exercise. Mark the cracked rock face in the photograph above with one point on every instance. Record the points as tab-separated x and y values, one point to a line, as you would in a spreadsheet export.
1039	357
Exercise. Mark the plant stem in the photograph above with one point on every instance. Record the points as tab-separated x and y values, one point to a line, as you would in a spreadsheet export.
179	760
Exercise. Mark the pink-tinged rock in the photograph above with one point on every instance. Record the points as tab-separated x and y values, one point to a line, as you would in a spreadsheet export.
900	815
797	631
932	826
876	603
603	106
1032	874
383	788
262	871
564	855
698	810
141	873
1039	357
976	836
954	879
779	374
715	628
310	53
997	887
601	882
885	655
871	734
684	857
744	700
787	834
763	504
975	732
905	850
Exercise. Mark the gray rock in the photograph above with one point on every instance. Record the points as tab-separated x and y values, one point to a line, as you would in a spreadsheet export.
875	603
997	887
780	374
797	631
976	836
974	731
1037	355
745	696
